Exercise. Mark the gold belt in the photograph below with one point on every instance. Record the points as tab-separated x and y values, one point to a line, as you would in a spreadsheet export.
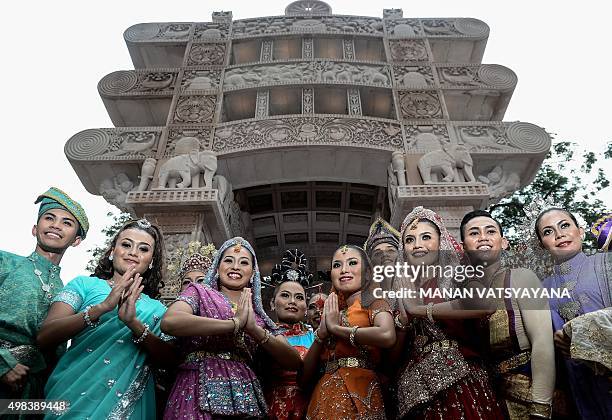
349	362
441	344
515	361
196	356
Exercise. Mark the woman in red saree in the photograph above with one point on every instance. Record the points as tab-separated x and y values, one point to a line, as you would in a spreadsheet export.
347	344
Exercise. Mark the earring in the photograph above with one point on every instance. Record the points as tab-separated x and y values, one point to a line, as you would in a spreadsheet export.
110	257
151	265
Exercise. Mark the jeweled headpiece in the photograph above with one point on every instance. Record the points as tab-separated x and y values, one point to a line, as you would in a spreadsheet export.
293	267
602	229
195	256
381	232
344	249
143	223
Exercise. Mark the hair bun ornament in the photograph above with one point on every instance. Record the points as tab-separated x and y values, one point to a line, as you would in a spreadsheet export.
195	256
602	229
293	267
143	223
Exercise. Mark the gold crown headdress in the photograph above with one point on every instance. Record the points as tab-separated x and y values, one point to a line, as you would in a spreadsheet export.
199	253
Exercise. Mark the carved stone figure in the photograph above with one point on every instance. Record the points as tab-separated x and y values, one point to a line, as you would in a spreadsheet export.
447	160
399	167
146	174
115	189
187	166
502	183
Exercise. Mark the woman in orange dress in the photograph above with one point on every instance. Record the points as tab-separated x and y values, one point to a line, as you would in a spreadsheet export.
347	344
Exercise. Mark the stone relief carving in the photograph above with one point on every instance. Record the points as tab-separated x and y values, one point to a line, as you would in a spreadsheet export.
308	7
211	31
482	138
420	105
408	50
187	168
221	16
354	102
426	137
261	106
440	27
398	168
307	101
201	79
413	76
307	72
114	190
502	183
307	48
175	242
158	32
484	75
183	140
393	13
348	49
195	109
453	161
392	184
330	24
206	54
146	174
134	81
113	144
267	47
310	130
403	28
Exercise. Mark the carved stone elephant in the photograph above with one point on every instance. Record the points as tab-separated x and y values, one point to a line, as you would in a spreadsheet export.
446	160
187	166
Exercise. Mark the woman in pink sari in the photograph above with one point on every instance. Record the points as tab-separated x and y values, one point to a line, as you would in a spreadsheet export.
221	325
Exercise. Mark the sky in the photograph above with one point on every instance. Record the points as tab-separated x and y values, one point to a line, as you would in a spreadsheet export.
55	53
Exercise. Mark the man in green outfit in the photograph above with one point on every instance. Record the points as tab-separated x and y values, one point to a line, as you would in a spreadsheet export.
27	286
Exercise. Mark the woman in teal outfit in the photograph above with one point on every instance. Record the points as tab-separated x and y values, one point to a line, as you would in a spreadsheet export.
112	319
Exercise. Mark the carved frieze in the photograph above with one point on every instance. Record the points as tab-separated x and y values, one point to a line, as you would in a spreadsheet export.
206	54
393	13
115	189
354	102
288	24
502	182
211	31
195	109
413	76
176	136
310	130
113	144
138	82
420	105
267	47
426	137
222	16
201	80
307	101
513	137
262	104
158	32
306	72
308	7
307	48
486	75
408	50
348	49
440	27
403	28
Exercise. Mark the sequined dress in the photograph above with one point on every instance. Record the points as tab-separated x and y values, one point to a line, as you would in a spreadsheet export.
104	374
286	400
216	378
443	377
350	388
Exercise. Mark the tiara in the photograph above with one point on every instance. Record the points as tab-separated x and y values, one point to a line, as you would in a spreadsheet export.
143	223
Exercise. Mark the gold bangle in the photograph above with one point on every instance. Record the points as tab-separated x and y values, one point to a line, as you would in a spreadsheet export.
429	311
540	410
236	321
398	323
352	335
266	338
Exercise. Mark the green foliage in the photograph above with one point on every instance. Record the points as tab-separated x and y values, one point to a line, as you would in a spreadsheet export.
572	177
118	220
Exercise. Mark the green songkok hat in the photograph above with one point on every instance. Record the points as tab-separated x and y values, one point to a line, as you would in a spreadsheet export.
54	198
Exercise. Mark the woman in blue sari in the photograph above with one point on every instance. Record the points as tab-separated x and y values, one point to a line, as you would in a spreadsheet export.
112	319
587	279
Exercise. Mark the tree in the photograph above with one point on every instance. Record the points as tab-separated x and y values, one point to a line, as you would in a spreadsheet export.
110	231
572	177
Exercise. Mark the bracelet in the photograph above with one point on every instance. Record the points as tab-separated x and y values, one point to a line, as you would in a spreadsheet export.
399	324
266	338
317	338
88	320
236	321
540	410
429	311
138	340
352	335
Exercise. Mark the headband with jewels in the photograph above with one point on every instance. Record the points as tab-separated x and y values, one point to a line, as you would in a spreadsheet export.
381	232
602	229
195	256
293	267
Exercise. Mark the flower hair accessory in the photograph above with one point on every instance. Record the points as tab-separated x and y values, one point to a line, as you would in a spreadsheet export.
344	249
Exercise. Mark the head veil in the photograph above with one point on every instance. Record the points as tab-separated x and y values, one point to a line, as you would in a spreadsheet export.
450	253
212	277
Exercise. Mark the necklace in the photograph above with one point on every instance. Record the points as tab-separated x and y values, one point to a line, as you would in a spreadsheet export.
46	287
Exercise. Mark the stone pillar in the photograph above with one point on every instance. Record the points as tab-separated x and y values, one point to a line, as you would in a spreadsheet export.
262	104
307	101
354	101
